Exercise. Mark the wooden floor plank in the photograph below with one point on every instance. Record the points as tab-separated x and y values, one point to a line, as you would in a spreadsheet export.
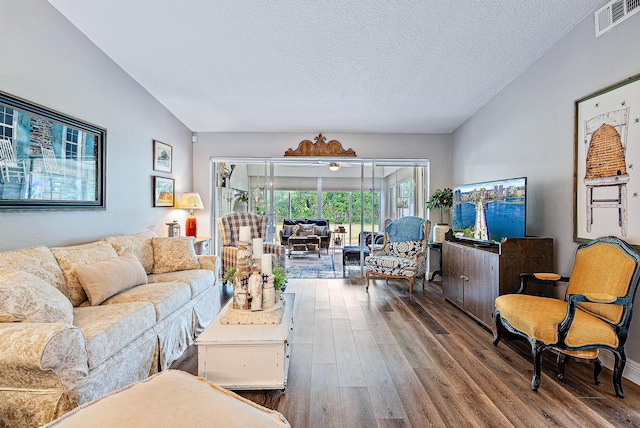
384	396
417	403
304	322
325	396
323	343
357	409
348	363
296	402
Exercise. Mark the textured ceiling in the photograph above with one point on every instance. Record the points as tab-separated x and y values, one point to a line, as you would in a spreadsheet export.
322	65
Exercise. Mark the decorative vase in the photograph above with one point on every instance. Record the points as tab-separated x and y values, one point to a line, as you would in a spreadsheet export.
439	231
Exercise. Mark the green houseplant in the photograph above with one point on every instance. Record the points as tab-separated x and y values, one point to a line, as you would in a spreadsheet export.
279	278
441	198
227	278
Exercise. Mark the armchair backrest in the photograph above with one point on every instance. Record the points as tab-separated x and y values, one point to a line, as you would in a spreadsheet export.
229	227
606	266
407	229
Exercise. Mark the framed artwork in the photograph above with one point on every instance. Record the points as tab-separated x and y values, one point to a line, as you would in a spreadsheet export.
606	158
163	191
49	160
162	156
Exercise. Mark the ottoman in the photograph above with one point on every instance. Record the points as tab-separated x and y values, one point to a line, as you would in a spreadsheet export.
171	398
351	256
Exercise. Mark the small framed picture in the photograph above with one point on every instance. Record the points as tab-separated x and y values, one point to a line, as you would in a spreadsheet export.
163	191
162	156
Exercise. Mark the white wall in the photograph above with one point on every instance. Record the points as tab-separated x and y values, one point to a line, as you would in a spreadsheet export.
528	130
435	147
46	60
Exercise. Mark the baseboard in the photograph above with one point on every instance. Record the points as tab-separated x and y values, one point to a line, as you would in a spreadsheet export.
631	368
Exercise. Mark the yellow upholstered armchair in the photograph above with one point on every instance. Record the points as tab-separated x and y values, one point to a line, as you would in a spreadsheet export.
595	315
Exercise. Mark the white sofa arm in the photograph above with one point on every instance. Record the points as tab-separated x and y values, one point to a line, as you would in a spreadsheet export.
42	355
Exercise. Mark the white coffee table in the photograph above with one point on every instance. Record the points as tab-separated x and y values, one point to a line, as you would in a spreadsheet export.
242	357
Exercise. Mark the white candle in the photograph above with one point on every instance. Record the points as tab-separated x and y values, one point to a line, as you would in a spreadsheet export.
266	264
257	248
245	234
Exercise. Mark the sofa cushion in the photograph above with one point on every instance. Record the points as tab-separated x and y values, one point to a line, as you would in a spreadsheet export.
198	280
165	297
70	257
27	298
107	278
38	261
174	254
136	243
110	328
288	229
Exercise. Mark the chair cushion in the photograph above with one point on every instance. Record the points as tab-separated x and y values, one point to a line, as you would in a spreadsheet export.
138	244
107	278
70	257
110	328
27	298
390	265
174	254
538	318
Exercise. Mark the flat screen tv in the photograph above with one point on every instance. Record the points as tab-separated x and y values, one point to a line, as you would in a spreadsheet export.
490	212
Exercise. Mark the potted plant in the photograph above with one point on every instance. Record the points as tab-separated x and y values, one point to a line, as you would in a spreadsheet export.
441	198
279	280
227	278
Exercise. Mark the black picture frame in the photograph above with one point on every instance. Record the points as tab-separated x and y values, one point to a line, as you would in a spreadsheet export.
163	191
49	160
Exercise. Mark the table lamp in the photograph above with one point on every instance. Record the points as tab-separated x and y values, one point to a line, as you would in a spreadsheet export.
191	201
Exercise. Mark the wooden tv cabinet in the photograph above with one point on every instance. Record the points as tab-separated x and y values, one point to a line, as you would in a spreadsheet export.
473	276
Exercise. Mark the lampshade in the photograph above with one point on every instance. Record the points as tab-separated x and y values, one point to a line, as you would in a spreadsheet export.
334	166
191	201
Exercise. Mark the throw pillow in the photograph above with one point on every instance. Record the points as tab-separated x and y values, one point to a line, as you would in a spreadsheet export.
288	229
136	243
70	257
174	254
107	278
320	230
27	298
306	229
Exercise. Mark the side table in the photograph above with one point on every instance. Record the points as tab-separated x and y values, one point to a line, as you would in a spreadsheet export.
202	245
435	246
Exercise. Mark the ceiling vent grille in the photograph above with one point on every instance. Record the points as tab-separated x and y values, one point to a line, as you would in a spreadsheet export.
613	13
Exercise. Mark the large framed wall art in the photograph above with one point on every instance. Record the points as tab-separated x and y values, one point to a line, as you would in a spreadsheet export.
607	163
49	160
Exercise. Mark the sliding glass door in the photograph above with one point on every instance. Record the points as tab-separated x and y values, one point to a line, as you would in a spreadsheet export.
359	195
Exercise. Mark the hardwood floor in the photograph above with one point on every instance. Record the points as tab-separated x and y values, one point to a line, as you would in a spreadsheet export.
384	359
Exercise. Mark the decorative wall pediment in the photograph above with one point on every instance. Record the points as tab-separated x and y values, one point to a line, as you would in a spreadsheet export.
320	148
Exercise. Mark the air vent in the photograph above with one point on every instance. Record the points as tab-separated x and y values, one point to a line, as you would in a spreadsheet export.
613	13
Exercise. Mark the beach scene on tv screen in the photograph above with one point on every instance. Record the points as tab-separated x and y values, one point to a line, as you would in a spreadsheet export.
490	211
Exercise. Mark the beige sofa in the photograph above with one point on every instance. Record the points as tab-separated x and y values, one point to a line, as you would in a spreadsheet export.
78	322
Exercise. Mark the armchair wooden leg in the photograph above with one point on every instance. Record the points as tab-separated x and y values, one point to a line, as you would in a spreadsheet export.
367	287
597	368
498	334
537	357
618	368
411	286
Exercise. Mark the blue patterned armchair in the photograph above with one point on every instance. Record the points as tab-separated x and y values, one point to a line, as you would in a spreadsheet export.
404	252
